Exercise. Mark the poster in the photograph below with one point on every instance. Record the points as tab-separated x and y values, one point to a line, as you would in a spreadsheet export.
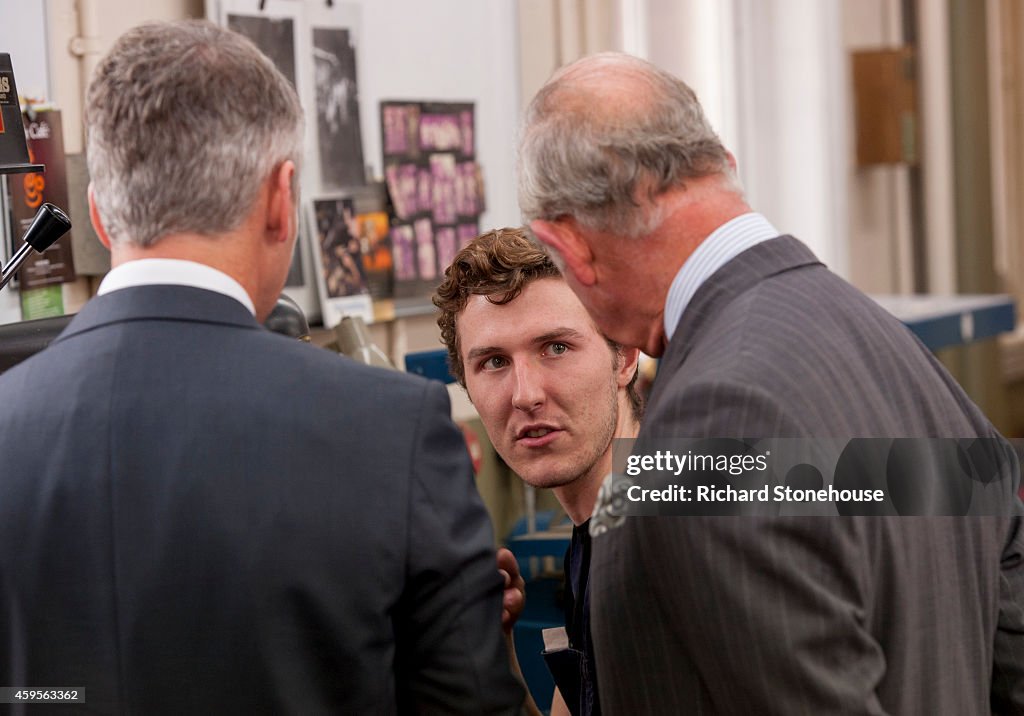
375	240
435	186
54	266
337	109
342	275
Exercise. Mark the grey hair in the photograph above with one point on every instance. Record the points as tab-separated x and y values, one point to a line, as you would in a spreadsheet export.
184	121
586	153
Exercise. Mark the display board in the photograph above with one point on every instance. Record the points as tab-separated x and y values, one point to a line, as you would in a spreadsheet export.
346	58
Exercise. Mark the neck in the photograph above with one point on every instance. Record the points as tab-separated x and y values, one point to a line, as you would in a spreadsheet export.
691	214
578	497
228	254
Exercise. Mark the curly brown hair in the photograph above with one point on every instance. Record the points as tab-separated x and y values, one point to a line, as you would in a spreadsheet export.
499	265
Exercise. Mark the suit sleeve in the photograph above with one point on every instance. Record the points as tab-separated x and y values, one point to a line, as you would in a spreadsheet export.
1008	667
451	656
768	608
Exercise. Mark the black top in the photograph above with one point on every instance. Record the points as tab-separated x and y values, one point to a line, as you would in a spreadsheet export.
574	670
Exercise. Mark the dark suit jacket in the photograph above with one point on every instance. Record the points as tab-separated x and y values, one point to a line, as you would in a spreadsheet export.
806	615
199	516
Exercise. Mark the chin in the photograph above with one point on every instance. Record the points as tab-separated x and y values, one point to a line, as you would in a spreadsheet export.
546	480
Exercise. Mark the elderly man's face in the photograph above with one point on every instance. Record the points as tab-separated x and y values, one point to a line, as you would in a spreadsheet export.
614	285
544	381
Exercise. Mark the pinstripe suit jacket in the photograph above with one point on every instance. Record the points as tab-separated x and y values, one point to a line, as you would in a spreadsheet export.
854	615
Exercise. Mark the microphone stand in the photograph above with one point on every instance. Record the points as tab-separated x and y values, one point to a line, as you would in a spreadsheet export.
49	225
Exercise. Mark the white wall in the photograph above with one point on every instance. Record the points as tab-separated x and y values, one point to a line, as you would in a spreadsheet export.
771	75
792	113
23	36
448	50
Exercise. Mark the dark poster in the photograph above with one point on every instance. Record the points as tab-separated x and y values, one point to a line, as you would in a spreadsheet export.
28	192
337	109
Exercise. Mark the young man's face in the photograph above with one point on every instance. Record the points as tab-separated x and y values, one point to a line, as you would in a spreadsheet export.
543	380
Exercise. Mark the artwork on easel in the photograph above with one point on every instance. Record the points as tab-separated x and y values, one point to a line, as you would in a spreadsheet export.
435	186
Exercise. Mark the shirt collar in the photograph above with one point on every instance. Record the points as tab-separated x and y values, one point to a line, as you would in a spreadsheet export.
174	272
721	246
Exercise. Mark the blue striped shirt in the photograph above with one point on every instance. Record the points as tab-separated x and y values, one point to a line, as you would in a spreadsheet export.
724	244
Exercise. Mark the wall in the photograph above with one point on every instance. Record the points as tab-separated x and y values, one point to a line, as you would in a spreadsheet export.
454	50
880	241
23	36
768	73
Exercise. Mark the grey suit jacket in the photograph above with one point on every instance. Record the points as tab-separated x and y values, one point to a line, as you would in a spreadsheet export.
199	516
805	615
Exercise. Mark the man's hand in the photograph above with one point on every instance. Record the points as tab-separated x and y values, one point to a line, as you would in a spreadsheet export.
514	599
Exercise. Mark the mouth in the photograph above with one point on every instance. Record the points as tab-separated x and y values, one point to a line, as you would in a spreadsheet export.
533	436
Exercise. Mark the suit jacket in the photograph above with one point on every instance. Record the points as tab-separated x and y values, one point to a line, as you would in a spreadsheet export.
200	516
807	615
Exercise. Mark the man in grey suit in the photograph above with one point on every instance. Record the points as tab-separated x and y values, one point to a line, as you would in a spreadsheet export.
200	516
625	181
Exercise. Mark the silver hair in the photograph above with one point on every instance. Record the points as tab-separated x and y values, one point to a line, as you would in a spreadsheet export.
583	156
184	121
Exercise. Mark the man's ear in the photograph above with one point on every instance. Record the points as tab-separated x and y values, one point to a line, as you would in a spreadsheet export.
629	357
564	238
281	202
97	222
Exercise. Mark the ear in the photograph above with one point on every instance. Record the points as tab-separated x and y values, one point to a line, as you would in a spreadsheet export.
629	357
732	160
97	222
281	202
564	238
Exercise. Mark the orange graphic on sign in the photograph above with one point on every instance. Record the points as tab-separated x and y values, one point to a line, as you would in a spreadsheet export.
34	185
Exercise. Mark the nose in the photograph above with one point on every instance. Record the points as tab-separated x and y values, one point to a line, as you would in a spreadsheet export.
528	392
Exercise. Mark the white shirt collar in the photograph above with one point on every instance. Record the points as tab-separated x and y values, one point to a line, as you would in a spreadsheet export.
174	272
721	246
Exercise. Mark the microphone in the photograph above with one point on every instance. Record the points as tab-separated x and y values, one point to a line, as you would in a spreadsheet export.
49	225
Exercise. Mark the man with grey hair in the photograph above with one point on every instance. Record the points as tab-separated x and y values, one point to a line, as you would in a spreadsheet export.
624	180
200	516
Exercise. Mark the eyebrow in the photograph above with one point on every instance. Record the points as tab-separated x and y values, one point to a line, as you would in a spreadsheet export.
552	335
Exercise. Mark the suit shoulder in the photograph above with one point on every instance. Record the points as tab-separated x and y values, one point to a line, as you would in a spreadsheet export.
325	368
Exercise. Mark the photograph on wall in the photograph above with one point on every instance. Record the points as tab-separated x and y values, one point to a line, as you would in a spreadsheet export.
400	128
404	250
337	109
375	240
341	275
435	187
